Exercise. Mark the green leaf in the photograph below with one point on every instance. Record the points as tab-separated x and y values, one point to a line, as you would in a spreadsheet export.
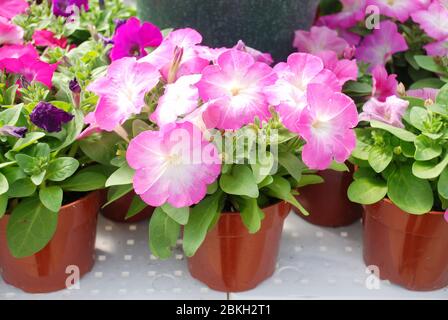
292	164
280	188
240	182
408	192
21	188
429	63
37	179
442	184
267	181
4	185
263	167
429	169
85	180
10	116
418	116
31	226
180	215
116	192
427	83
367	190
340	167
100	147
380	157
62	168
3	204
442	96
251	214
163	234
137	205
122	175
201	218
398	132
73	129
51	197
426	148
28	140
28	164
309	179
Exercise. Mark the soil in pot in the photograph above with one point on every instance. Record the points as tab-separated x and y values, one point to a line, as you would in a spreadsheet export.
117	210
233	260
328	202
69	255
409	250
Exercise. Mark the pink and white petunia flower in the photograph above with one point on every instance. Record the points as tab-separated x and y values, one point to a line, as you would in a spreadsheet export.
236	85
10	33
15	51
319	39
384	85
397	9
122	91
180	98
10	8
256	54
434	20
438	48
390	111
326	125
352	12
174	165
343	69
378	47
289	93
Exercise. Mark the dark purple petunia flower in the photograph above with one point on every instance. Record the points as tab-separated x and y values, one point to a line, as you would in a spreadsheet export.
46	116
60	7
18	132
74	86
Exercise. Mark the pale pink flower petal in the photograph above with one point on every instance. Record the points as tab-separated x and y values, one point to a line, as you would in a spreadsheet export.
423	93
398	9
378	47
343	69
384	85
168	169
326	126
391	111
434	20
437	49
10	8
236	85
257	55
122	91
10	33
352	12
319	39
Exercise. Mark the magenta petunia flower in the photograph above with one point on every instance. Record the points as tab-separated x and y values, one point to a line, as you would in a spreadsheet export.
182	40
289	93
326	125
352	12
384	85
10	33
390	111
46	38
397	9
31	68
10	8
180	99
319	39
438	48
343	69
121	92
236	85
92	127
173	165
131	39
434	20
378	47
18	50
423	93
46	116
64	8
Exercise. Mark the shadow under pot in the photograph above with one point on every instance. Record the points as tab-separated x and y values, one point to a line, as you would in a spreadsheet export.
69	254
231	259
117	210
328	203
408	250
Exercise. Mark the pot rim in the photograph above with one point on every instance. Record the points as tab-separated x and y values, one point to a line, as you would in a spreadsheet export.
430	212
265	208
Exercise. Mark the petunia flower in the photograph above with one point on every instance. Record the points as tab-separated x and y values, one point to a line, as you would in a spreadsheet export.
184	40
446	215
384	85
352	12
390	111
289	93
46	38
63	7
17	132
17	50
180	98
326	126
434	20
31	68
397	9
344	69
378	47
92	127
10	8
423	93
46	116
257	55
319	39
438	48
236	85
131	39
121	92
10	33
173	165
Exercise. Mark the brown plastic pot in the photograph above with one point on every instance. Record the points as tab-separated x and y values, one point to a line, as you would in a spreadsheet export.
233	260
328	203
117	210
73	244
409	250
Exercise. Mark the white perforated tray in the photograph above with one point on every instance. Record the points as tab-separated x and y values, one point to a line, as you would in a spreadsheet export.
314	263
